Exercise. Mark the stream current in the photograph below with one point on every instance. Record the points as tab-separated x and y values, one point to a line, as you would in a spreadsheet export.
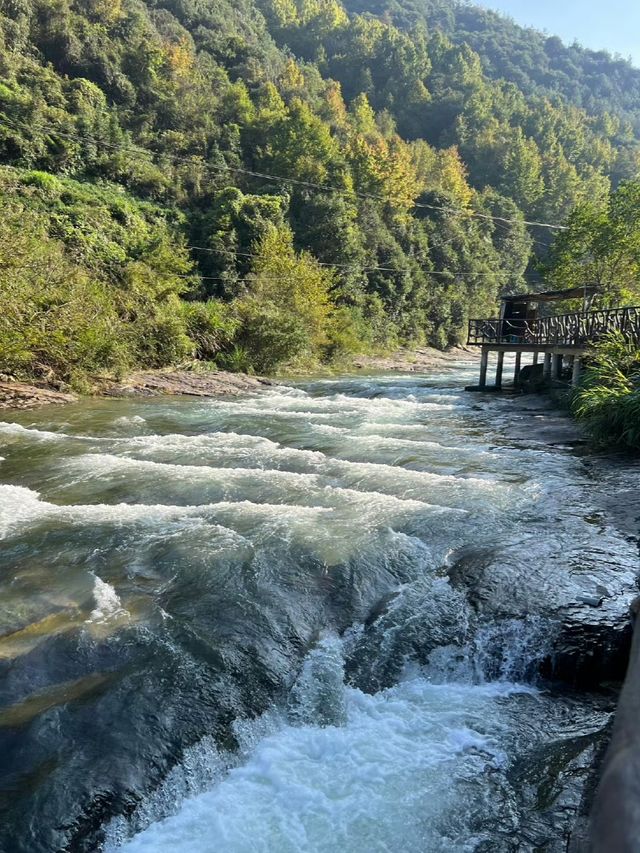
310	620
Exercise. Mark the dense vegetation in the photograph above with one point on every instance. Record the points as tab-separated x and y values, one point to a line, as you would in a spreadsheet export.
280	181
537	63
608	403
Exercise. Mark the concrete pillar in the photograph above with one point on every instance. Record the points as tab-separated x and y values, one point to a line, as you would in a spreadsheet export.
536	355
547	367
484	363
557	366
518	368
577	372
499	368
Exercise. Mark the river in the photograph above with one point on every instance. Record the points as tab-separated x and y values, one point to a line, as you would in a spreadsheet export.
319	618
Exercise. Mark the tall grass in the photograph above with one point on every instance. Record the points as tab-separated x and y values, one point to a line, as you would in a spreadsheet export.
608	401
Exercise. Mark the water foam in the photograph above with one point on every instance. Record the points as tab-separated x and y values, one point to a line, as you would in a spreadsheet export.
108	604
390	778
18	432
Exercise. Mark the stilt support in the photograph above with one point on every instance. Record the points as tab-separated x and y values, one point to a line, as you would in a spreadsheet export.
577	372
557	366
484	363
518	368
499	368
547	367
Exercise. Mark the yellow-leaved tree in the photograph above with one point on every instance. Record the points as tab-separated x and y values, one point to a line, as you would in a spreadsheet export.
285	316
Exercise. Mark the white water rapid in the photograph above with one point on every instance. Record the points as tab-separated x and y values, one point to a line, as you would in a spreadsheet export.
326	618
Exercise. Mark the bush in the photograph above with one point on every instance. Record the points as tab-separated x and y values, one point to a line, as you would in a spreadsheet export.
64	318
211	326
608	401
268	335
349	334
161	339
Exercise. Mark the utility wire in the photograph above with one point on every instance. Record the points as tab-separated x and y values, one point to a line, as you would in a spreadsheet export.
282	179
353	267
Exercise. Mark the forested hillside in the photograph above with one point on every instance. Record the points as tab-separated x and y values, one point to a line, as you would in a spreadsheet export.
535	62
280	181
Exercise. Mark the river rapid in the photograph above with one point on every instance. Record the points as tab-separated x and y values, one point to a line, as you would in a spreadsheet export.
321	619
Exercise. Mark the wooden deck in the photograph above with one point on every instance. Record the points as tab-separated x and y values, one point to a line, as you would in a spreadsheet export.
563	340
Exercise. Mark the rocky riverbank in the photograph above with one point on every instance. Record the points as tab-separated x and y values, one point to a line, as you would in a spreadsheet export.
204	383
148	383
21	395
416	361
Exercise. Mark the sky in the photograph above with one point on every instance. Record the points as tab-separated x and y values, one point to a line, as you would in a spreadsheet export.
610	24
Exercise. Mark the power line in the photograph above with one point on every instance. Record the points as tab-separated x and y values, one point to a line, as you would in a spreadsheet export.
353	267
282	179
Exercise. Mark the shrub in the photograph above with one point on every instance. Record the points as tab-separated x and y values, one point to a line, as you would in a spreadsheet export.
608	401
269	336
211	326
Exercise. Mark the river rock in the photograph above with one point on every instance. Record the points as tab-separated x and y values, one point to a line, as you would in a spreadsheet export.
580	582
154	383
19	395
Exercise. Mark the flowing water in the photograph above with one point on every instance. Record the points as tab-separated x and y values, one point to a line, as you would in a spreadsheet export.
310	619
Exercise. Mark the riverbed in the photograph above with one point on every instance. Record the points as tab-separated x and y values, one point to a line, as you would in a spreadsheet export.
332	615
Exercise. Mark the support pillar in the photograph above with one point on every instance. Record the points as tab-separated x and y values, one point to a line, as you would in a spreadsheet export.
536	355
499	368
557	366
547	367
518	368
484	363
577	372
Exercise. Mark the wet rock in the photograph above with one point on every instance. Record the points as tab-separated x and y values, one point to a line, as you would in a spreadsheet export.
615	819
417	361
154	383
19	395
582	589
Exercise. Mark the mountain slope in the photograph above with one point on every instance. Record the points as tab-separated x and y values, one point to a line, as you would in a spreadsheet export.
270	182
534	61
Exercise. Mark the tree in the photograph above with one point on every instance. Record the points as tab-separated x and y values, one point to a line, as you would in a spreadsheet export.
602	246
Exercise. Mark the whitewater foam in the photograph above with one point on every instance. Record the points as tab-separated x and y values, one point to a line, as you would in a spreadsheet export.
389	779
108	604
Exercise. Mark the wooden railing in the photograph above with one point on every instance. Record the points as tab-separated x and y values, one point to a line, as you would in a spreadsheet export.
571	330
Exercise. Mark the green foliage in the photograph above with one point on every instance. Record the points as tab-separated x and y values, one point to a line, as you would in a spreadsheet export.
55	322
534	61
90	282
158	146
211	327
288	310
602	246
608	402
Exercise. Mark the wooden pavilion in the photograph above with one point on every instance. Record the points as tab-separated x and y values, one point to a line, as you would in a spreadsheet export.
526	325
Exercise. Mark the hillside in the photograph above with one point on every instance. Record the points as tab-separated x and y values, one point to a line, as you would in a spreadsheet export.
536	62
282	182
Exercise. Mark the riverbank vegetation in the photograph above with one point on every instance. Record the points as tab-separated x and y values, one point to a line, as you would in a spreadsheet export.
608	401
283	182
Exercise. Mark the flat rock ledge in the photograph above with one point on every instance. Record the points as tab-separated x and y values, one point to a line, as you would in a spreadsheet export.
148	383
19	395
155	383
417	361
